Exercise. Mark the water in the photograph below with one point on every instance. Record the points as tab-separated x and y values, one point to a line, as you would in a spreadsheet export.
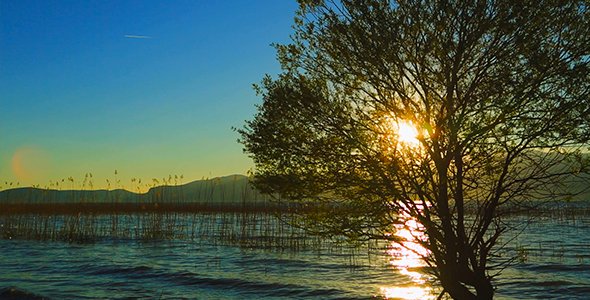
556	265
182	270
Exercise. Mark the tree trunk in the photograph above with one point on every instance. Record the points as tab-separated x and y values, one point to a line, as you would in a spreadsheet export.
458	291
484	288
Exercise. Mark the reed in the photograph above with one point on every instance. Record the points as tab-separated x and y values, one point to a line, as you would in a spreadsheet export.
247	229
230	214
250	221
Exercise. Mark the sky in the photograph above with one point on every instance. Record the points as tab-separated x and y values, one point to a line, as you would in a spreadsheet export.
144	89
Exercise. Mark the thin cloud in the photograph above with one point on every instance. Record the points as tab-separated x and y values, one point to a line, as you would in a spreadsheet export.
138	36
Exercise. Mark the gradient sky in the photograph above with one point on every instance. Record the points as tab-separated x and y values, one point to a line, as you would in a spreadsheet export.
148	88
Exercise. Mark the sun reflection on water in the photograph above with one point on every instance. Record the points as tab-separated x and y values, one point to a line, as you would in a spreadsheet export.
410	293
406	258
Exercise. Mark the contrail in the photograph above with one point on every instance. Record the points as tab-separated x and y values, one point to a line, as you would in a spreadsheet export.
138	36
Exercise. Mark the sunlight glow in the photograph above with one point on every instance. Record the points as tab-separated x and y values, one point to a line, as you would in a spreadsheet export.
407	133
395	132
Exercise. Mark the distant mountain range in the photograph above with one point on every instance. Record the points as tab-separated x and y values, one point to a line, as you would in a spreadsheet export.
233	189
229	189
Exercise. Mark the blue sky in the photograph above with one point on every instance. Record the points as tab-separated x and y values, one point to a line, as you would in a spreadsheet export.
77	95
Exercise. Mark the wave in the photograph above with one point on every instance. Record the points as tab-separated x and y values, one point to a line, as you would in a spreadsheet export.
193	280
551	268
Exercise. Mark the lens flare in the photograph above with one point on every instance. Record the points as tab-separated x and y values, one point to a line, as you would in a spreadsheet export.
30	165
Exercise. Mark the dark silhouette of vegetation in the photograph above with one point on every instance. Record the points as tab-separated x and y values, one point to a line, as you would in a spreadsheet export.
121	208
497	96
223	210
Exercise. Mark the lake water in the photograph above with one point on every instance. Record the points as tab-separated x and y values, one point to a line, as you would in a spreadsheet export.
555	264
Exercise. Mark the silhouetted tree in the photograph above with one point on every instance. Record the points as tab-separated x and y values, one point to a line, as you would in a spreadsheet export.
496	90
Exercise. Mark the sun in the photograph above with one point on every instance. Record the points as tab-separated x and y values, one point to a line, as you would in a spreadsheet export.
395	132
407	134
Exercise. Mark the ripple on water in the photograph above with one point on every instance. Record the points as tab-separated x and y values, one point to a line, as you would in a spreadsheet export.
187	270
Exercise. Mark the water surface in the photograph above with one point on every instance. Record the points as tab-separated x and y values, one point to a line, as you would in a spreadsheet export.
556	265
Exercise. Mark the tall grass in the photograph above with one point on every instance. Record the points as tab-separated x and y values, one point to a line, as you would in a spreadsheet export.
84	217
249	229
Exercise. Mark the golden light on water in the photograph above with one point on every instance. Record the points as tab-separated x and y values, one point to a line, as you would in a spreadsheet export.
409	293
407	257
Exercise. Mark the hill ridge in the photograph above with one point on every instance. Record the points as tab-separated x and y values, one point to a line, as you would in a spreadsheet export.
230	188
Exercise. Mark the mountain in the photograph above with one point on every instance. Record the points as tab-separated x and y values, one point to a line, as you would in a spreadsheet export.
229	189
233	189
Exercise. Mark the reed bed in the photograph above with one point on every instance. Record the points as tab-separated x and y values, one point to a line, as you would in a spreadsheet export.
228	213
231	213
248	229
129	208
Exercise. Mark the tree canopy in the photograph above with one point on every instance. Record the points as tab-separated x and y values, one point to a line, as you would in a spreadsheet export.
497	92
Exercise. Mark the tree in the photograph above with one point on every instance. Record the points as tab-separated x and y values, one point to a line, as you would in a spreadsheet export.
497	92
